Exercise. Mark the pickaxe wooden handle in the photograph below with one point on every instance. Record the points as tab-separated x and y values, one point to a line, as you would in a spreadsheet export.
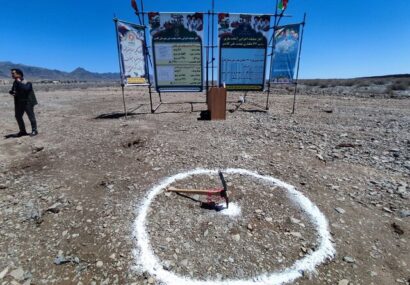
223	192
195	191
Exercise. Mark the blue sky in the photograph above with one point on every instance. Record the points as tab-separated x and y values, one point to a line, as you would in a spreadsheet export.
342	38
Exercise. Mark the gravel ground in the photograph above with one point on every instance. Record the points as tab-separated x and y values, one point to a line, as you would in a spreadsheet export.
69	196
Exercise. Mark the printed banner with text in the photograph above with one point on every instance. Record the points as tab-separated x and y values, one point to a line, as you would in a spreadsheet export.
243	41
131	51
177	49
286	53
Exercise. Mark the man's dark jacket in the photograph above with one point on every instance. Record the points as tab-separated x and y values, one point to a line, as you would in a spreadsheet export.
24	93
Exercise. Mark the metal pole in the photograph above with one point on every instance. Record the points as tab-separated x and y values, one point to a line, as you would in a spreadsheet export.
271	56
146	56
207	61
212	40
297	70
123	100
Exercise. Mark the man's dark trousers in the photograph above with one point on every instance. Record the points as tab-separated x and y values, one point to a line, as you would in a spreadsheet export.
27	107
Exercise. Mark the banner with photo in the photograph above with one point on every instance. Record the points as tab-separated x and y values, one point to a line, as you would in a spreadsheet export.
243	42
131	52
177	50
287	40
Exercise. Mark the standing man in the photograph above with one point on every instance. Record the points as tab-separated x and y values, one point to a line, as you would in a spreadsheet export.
24	102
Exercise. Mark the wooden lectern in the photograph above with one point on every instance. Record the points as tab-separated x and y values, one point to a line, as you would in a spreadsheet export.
217	103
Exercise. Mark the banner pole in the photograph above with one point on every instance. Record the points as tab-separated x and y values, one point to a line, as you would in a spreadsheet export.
123	100
212	40
207	61
297	70
271	56
146	56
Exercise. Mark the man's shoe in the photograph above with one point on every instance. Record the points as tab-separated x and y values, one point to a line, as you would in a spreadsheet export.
20	134
34	133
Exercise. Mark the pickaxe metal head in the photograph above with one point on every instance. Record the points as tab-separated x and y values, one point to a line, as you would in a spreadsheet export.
224	192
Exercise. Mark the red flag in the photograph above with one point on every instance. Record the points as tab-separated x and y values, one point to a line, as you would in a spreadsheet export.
283	4
134	5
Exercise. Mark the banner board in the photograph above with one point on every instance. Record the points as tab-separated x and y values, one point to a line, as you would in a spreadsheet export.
287	40
131	46
243	42
177	50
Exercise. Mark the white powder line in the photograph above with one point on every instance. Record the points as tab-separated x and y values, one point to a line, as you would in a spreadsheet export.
145	257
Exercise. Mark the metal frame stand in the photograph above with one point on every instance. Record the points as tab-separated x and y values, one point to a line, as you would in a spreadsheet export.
210	58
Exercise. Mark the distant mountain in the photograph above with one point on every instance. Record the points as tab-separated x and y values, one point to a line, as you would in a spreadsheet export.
39	73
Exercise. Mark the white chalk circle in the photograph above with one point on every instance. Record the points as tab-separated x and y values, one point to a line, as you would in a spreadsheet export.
146	259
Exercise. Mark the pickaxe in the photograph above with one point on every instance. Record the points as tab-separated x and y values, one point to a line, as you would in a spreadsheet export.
222	192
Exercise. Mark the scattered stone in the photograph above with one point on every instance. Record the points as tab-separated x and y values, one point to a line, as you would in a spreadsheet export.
387	210
404	213
349	259
18	274
340	210
61	259
55	208
184	262
320	157
296	234
236	237
4	272
35	149
373	273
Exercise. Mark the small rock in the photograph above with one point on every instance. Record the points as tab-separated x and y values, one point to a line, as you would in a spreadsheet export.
320	157
55	208
372	273
294	221
151	280
250	227
296	234
340	210
236	237
348	259
268	219
404	213
60	259
4	273
17	274
99	264
36	148
343	282
3	186
387	210
168	264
